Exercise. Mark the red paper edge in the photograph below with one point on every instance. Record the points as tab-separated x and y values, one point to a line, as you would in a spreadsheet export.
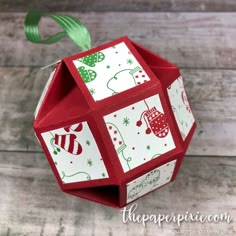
169	65
39	118
178	157
93	199
135	172
92	103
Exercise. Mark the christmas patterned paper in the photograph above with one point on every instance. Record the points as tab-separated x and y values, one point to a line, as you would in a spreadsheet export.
180	106
110	71
75	153
150	181
139	132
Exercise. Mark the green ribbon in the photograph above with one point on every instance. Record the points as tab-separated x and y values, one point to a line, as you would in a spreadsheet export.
71	26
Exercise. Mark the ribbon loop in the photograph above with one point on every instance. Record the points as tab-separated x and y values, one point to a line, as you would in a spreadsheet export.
72	27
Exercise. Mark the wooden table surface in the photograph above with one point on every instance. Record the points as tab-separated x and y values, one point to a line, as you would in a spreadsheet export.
198	36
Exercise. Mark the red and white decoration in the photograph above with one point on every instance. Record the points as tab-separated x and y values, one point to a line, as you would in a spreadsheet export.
76	127
180	106
69	143
155	122
128	143
75	153
139	143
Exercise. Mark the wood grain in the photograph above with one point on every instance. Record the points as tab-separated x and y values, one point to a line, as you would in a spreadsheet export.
34	204
190	40
119	5
211	93
202	44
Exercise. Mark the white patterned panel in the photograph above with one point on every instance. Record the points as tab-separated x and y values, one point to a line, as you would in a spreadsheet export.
75	153
150	181
110	71
180	106
139	132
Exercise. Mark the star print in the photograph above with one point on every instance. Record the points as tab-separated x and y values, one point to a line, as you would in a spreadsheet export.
130	61
126	121
89	162
92	91
88	142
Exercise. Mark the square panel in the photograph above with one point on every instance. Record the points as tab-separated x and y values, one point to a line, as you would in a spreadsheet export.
75	153
150	181
180	106
110	71
139	132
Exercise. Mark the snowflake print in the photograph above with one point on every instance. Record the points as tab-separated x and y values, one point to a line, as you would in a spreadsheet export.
126	121
89	162
88	142
92	91
130	61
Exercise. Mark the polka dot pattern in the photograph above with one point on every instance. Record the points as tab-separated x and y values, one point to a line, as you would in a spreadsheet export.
157	122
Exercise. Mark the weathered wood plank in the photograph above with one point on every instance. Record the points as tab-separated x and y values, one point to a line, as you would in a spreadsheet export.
190	40
119	5
32	203
211	93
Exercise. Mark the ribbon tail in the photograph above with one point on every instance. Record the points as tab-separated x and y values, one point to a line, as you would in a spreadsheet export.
71	26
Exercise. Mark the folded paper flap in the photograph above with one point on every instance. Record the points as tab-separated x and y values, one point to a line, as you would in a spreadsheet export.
165	71
63	99
108	195
109	69
43	94
87	182
151	58
166	74
69	108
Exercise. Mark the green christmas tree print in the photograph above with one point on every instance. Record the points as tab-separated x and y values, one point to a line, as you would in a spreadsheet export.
87	75
92	59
